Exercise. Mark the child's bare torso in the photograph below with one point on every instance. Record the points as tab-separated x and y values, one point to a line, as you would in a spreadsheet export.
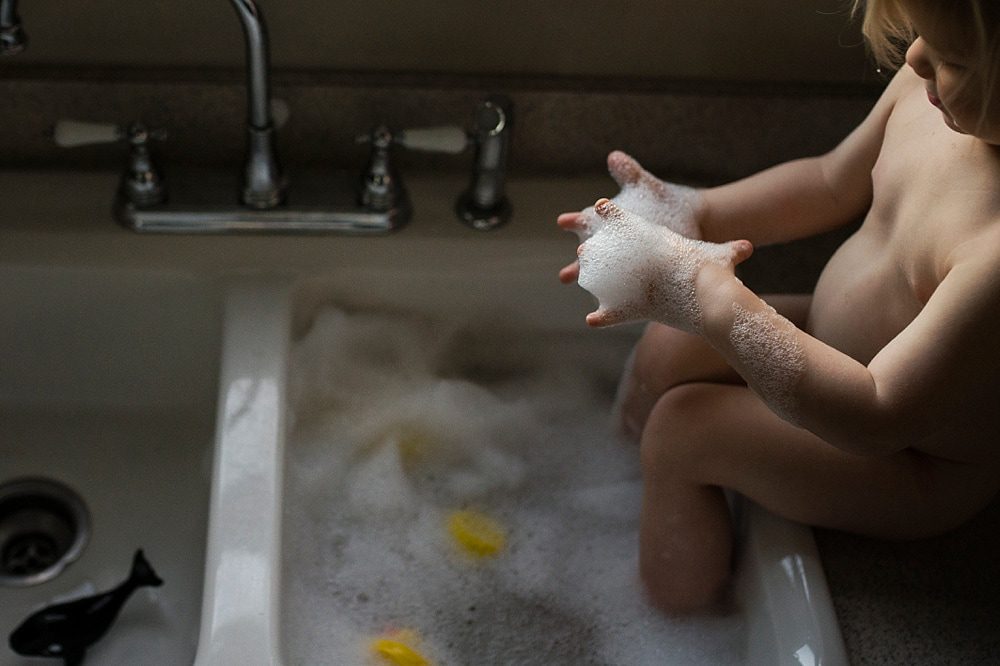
936	197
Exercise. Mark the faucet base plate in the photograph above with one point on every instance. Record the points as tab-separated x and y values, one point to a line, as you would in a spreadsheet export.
324	204
204	220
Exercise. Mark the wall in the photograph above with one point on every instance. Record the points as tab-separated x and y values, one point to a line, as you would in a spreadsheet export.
705	40
700	90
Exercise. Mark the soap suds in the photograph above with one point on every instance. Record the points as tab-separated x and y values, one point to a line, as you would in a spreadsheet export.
661	203
514	426
639	270
766	344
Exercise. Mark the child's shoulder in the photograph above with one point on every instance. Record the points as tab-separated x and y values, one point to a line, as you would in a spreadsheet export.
904	82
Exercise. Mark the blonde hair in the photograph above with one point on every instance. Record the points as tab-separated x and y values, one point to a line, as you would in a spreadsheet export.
889	31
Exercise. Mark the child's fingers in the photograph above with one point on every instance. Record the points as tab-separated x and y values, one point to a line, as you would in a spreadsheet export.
569	221
608	317
741	251
606	209
626	170
623	168
570	273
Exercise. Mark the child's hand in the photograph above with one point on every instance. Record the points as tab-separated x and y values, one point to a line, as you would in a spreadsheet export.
666	204
639	270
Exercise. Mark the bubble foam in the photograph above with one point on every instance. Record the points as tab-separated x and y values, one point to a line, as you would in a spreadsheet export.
643	271
665	204
766	345
371	482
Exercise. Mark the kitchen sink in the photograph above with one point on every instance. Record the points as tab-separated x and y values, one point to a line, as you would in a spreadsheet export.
108	383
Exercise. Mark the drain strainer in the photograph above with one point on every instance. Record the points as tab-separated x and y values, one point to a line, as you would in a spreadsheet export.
43	527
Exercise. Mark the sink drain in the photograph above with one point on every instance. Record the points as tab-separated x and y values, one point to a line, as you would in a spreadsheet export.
43	527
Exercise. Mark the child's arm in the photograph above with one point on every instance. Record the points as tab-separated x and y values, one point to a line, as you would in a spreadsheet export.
804	197
786	202
942	364
906	396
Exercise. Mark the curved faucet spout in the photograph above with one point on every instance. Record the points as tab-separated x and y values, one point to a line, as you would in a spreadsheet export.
263	183
258	65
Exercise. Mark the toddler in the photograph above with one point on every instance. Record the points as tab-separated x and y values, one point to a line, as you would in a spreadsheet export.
868	406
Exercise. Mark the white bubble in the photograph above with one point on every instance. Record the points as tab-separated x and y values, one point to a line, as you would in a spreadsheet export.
372	480
674	208
645	271
766	345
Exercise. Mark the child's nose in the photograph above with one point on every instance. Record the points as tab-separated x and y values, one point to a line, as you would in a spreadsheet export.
916	57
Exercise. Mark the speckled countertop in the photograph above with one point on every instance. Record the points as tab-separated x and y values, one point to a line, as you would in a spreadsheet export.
935	601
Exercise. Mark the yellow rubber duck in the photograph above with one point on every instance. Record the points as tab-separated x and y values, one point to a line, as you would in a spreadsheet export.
476	533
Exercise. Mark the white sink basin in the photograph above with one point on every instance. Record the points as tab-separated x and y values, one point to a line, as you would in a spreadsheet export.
107	386
786	614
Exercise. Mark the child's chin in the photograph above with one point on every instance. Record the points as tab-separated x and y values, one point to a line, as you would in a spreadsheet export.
952	125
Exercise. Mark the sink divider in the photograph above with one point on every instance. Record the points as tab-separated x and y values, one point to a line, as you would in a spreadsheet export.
239	620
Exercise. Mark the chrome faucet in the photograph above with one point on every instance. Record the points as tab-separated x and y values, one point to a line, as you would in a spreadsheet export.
263	184
12	36
144	203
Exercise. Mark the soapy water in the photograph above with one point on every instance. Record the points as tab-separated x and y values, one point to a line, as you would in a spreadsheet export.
401	423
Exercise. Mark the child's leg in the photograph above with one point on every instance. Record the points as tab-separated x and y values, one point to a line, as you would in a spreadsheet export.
665	357
701	437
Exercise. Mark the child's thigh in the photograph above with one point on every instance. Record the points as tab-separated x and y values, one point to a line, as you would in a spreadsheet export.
724	435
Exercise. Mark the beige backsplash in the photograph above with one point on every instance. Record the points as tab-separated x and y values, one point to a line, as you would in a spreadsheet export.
703	133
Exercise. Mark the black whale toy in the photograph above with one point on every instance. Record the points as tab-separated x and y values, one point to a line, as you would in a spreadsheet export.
66	630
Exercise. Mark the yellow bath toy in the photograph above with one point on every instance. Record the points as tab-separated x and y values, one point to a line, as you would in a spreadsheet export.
476	533
395	649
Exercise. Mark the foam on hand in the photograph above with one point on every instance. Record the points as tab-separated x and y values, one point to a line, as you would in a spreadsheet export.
639	270
659	202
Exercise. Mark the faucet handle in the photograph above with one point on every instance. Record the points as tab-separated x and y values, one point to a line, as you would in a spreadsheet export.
449	139
73	133
142	184
381	187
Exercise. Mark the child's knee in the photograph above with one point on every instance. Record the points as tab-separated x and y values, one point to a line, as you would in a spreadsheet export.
677	429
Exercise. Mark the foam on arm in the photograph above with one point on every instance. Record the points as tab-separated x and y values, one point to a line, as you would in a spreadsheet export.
771	356
803	380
